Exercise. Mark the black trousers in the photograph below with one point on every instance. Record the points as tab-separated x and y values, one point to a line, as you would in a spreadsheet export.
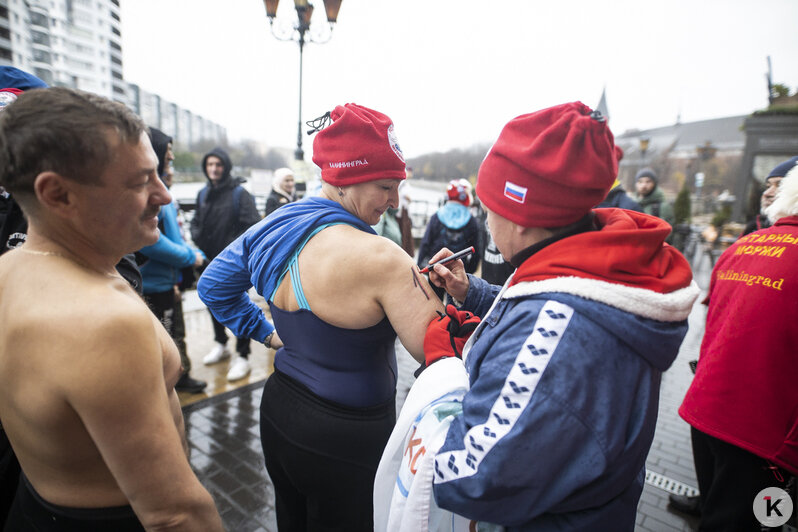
220	336
321	457
729	478
9	476
168	308
32	513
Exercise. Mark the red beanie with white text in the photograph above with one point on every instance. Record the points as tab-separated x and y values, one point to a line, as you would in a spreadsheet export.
360	145
549	168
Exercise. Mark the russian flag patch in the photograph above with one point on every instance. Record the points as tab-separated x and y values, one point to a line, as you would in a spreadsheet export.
514	192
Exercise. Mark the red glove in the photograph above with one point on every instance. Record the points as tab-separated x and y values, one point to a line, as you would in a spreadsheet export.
447	335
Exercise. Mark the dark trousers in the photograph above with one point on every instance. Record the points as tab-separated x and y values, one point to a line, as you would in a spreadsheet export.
32	513
9	476
728	479
220	335
321	457
168	308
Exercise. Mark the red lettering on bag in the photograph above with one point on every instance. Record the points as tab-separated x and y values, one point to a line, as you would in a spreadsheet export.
409	450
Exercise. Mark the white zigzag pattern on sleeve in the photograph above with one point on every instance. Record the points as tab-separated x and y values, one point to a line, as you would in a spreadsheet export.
519	385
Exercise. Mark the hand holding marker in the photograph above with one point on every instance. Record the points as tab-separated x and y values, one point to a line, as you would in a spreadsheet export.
463	253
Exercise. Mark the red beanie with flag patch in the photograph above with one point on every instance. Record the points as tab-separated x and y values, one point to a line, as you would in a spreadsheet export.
549	168
360	145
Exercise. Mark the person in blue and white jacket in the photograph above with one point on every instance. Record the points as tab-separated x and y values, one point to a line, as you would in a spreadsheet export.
559	383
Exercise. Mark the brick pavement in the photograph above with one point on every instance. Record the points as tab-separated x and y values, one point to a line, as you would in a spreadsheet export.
226	454
224	441
671	453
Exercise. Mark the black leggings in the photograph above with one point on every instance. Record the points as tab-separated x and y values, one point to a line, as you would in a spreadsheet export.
31	513
321	457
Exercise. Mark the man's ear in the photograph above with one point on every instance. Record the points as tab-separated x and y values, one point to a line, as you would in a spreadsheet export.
53	191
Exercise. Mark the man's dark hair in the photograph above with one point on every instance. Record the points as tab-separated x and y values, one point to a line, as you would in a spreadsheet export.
61	130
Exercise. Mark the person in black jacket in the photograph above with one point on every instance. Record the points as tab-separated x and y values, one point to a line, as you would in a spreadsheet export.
282	190
224	211
453	227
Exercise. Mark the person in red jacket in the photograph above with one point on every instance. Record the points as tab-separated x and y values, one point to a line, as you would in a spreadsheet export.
742	404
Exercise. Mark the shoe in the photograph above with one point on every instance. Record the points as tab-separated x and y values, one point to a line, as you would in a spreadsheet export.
686	505
187	384
239	368
217	354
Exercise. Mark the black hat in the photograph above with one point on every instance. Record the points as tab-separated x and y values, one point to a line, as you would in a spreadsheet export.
646	172
782	168
160	143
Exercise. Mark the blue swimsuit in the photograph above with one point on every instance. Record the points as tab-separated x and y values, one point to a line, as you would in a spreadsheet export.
352	367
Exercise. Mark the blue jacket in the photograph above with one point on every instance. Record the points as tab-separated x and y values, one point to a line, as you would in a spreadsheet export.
167	256
454	227
618	198
564	375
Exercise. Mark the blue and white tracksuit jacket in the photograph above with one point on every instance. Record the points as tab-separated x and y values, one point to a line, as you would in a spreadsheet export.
561	407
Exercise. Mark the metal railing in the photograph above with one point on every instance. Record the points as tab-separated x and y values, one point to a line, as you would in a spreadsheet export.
697	247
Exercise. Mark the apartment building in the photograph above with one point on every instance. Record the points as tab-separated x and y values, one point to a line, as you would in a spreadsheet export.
78	44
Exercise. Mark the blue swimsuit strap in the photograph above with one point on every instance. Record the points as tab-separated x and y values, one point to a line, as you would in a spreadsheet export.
293	269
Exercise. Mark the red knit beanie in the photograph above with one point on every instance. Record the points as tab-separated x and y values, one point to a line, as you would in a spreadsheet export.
8	96
360	145
549	168
459	190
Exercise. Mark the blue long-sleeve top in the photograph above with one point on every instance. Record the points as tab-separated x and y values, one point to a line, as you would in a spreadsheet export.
167	256
259	258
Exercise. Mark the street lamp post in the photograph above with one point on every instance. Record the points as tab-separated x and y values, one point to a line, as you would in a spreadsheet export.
297	32
644	141
705	153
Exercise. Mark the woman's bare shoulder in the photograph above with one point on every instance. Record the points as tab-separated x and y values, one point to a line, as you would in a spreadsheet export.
364	252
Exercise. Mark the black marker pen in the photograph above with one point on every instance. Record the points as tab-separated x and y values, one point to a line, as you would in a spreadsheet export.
463	253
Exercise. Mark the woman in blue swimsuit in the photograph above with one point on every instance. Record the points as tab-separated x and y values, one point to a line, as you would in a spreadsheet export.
339	295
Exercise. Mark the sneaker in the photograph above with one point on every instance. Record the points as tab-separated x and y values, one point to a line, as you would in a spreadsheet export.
239	368
187	384
217	354
686	505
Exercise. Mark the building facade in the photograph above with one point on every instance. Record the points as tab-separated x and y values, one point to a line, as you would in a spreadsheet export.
705	156
78	44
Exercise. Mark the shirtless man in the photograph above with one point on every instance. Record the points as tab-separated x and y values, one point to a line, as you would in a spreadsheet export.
87	373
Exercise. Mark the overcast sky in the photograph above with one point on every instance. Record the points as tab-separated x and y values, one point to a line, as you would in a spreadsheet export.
451	73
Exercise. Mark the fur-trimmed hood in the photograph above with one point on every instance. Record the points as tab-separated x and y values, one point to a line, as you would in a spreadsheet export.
624	265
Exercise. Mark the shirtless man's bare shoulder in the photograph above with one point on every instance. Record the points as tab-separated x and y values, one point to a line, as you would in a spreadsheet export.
103	368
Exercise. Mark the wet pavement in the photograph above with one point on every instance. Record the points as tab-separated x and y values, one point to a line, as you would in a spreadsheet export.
224	439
